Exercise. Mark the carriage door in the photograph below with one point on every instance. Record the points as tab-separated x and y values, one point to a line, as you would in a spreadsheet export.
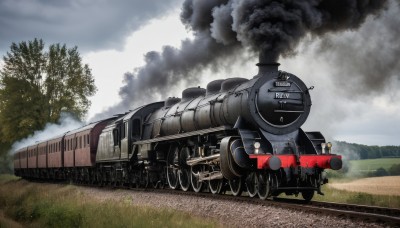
136	129
124	140
117	140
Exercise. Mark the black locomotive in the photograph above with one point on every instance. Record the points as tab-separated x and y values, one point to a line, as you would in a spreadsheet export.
236	135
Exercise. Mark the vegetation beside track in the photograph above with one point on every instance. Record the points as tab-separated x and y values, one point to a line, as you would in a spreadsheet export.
342	196
52	205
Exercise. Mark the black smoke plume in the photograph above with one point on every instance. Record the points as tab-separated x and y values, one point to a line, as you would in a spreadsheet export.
369	58
276	27
223	29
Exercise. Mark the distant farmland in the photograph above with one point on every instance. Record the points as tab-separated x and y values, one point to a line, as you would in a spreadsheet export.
370	165
389	186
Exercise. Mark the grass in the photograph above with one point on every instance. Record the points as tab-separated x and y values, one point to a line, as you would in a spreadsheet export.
369	165
343	196
50	205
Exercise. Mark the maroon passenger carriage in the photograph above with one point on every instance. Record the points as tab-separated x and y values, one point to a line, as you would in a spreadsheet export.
55	162
32	160
20	161
68	156
80	151
42	159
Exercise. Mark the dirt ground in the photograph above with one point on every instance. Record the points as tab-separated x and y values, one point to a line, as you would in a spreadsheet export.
372	185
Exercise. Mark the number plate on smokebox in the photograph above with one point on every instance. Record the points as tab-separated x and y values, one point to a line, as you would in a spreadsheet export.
282	84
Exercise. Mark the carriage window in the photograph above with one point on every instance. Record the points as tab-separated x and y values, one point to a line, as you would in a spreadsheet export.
136	126
88	139
80	141
126	129
115	137
122	132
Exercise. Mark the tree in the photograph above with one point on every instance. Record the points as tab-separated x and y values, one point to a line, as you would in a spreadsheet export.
36	86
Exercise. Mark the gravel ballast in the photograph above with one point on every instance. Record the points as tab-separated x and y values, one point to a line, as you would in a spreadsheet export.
228	213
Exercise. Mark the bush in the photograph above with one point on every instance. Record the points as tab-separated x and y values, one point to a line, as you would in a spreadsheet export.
394	170
381	172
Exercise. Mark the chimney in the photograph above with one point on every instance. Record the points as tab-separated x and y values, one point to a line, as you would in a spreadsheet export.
267	64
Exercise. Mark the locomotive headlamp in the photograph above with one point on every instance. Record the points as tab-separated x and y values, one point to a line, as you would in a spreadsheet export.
329	145
323	145
256	147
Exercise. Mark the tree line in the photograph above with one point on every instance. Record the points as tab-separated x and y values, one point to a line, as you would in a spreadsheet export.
355	151
36	86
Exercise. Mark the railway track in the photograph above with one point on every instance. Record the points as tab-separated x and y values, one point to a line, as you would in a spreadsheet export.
382	215
388	216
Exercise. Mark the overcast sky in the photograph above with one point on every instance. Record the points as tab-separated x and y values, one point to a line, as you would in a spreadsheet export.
114	36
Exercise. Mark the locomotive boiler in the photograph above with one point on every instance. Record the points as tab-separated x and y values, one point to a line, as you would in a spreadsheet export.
236	135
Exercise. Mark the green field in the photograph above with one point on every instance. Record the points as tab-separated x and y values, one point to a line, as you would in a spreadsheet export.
370	165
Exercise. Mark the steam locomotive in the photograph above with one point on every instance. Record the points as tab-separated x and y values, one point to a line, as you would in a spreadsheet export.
236	135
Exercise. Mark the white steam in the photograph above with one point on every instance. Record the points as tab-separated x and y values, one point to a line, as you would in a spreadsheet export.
66	123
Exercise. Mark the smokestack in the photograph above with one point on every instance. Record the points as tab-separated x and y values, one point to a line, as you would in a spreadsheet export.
267	63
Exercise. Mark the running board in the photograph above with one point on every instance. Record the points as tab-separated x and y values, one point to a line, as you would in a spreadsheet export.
183	135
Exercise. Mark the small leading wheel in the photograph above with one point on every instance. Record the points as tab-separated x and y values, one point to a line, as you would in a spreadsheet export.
236	186
264	185
215	186
252	184
307	195
197	185
184	179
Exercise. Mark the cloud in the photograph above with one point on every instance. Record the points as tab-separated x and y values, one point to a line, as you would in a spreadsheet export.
223	29
356	76
91	25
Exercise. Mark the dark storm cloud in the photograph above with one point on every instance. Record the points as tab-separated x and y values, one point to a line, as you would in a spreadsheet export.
224	28
356	75
366	61
91	25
